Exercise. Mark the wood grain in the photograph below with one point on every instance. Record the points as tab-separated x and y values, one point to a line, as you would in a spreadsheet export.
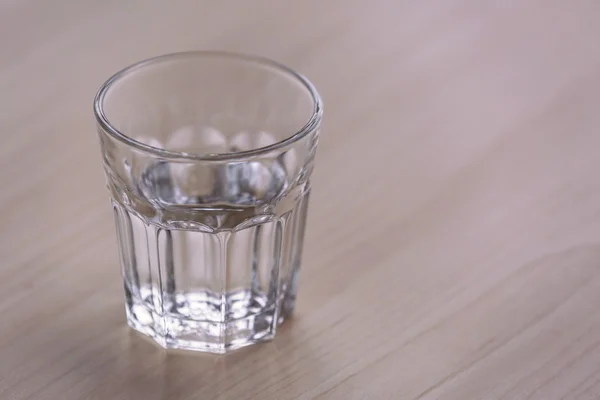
460	259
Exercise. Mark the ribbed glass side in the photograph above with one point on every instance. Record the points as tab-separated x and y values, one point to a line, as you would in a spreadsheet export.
193	286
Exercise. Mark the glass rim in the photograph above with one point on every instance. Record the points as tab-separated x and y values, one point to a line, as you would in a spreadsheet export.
311	125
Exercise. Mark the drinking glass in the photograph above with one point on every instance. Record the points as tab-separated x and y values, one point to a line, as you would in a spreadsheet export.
208	158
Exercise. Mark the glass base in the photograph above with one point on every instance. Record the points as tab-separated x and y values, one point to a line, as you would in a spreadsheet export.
192	321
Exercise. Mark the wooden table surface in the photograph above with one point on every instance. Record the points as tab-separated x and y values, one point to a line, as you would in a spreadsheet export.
453	245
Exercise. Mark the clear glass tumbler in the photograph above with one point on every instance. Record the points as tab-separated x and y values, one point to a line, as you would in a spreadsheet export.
208	157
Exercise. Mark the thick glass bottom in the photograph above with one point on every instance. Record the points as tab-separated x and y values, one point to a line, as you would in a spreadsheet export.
195	320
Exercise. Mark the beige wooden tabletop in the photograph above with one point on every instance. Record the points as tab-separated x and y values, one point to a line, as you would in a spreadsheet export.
460	259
